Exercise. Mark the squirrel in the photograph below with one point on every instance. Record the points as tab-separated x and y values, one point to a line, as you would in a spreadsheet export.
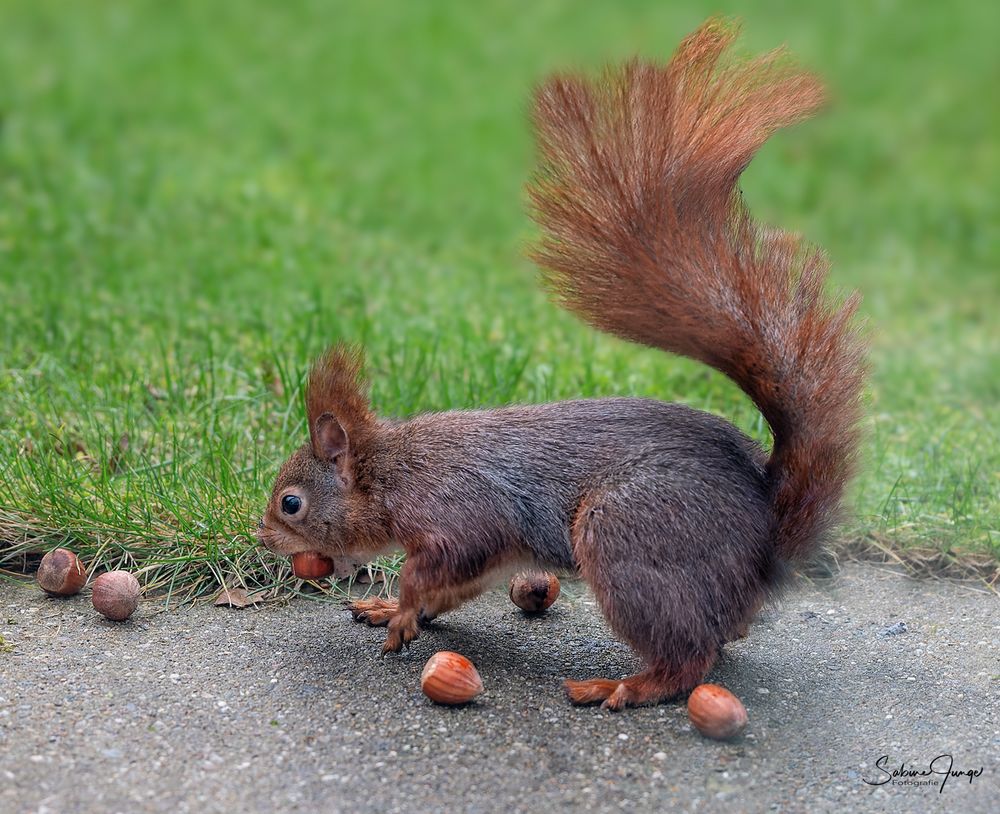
682	525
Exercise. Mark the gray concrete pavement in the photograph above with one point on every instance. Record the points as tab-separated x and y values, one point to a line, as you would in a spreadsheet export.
292	709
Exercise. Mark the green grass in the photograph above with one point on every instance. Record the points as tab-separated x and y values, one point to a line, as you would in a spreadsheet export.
195	198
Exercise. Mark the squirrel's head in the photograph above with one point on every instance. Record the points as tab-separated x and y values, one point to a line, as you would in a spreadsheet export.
316	504
308	510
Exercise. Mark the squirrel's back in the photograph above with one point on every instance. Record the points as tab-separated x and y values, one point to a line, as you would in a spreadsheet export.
522	471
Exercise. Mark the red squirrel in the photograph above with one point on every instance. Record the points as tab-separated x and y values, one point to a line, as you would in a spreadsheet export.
681	525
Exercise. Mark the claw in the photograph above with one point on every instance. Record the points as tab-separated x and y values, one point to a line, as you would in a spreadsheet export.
391	646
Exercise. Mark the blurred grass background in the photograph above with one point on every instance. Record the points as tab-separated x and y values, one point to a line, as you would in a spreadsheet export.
196	198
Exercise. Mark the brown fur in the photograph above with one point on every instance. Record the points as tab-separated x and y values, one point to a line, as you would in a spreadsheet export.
680	524
647	238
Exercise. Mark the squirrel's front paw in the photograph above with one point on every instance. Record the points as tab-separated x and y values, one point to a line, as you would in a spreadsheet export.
403	629
376	612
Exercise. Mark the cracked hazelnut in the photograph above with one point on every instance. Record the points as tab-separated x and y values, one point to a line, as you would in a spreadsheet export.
535	591
61	573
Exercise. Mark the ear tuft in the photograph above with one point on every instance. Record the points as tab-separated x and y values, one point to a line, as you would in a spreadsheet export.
336	386
329	439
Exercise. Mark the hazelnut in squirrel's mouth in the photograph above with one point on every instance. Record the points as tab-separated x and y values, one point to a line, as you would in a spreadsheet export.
311	565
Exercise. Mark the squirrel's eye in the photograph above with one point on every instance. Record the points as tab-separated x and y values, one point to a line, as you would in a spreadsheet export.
290	504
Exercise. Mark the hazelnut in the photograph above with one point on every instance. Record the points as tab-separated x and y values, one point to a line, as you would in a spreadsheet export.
116	595
310	565
534	591
450	678
61	573
716	712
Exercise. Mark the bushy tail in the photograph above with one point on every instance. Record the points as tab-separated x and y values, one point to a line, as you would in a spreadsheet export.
645	236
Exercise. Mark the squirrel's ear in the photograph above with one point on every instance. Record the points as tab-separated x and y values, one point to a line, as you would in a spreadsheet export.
329	439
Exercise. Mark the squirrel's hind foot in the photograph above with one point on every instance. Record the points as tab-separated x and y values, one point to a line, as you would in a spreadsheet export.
590	691
615	695
648	687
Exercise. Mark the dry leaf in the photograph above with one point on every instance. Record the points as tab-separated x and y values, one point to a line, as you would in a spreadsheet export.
238	597
346	567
